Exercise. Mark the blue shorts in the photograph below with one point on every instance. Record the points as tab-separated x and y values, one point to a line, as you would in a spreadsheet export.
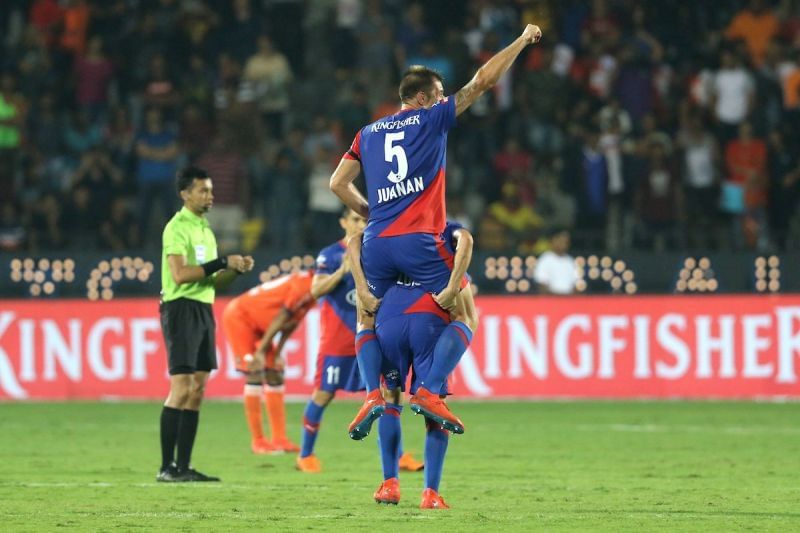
423	257
338	372
407	342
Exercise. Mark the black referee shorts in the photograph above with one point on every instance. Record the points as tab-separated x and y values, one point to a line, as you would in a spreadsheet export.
188	327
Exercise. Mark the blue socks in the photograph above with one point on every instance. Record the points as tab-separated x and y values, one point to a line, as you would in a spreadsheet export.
436	440
389	439
368	354
452	344
311	420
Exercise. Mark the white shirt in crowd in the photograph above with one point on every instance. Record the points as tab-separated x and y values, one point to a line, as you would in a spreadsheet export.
556	272
733	88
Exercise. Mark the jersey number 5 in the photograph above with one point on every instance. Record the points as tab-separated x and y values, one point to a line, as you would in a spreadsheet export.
392	151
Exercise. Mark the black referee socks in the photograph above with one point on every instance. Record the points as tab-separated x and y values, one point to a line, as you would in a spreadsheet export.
186	434
170	420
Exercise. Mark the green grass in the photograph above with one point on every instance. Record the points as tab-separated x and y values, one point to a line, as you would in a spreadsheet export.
520	467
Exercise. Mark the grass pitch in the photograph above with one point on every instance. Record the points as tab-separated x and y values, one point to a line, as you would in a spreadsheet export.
520	467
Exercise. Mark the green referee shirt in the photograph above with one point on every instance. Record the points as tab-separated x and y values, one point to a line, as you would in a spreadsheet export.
188	235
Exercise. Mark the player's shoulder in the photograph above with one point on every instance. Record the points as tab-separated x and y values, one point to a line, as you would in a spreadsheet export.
332	252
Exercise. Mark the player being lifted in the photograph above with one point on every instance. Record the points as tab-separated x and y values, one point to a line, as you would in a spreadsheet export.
336	363
251	323
403	158
407	326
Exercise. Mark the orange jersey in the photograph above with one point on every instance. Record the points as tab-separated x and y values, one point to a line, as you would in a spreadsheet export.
261	304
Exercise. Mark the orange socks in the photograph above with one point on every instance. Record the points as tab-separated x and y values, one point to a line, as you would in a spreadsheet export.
252	410
276	411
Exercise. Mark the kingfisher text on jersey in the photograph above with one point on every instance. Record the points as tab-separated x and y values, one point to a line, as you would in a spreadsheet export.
403	157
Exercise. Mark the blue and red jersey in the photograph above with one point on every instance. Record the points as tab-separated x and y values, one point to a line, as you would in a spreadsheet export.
338	307
403	157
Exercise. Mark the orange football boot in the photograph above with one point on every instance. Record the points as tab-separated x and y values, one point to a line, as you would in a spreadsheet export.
432	500
285	445
388	492
309	464
424	402
263	447
373	408
409	464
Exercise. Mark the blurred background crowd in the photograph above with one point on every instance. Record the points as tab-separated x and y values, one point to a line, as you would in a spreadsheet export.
663	125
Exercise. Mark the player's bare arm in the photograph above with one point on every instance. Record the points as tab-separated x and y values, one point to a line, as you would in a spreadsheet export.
464	245
342	186
368	301
277	324
489	74
322	284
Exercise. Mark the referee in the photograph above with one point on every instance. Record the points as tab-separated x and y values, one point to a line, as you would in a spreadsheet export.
191	272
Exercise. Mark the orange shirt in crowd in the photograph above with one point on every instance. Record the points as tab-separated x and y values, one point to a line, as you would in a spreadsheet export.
757	30
745	159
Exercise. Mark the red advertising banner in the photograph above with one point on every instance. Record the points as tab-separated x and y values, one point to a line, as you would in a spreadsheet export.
531	347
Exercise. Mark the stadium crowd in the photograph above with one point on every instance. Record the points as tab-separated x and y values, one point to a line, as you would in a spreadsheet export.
634	129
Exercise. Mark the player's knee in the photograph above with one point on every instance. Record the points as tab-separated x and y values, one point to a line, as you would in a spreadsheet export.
197	391
392	395
274	378
321	397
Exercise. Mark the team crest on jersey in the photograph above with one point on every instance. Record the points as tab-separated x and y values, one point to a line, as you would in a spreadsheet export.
321	261
351	297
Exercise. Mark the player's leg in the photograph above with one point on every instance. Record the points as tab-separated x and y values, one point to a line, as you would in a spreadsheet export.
274	391
243	341
436	440
453	342
369	357
312	418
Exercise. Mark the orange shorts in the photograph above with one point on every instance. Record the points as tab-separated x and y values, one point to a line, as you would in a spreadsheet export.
243	338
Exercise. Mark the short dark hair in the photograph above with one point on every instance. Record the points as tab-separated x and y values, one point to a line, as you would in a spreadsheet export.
186	177
418	78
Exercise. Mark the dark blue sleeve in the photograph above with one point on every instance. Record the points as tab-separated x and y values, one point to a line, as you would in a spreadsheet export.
443	114
328	261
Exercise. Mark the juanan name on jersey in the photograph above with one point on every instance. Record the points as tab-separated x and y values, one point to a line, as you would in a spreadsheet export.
400	189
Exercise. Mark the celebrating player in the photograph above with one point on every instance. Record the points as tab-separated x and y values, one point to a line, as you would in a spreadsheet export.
408	323
336	363
403	158
251	322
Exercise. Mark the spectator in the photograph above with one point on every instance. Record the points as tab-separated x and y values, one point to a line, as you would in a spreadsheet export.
520	221
231	193
756	25
733	96
100	177
160	89
93	72
83	220
12	121
658	202
119	231
747	189
784	185
701	159
157	155
13	235
555	269
268	70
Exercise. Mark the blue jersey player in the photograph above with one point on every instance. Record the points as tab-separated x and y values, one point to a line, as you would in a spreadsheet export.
403	157
336	367
407	326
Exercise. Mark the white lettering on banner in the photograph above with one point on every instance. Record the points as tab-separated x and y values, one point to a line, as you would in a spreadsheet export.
8	379
27	334
641	327
723	344
472	375
561	343
94	345
674	345
490	329
609	344
141	346
292	371
69	356
788	343
753	344
521	346
312	344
